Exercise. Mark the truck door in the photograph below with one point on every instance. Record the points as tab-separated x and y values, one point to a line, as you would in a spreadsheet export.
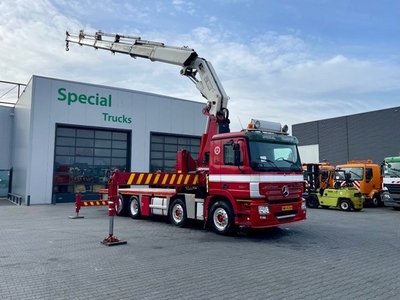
232	164
368	185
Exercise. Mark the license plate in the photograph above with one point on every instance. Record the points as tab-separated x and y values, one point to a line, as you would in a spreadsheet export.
287	207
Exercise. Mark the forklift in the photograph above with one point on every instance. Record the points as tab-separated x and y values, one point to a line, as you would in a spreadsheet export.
335	190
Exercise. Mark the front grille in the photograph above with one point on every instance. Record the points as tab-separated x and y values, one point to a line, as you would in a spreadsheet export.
393	188
273	192
282	201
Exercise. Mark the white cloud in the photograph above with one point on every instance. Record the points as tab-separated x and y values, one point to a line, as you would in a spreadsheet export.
183	6
273	76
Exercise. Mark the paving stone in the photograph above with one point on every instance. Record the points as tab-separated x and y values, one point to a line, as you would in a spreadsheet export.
332	255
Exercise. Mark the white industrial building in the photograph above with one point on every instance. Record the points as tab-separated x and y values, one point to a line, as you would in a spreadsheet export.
63	137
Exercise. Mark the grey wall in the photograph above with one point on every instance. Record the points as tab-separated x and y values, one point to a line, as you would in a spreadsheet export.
6	123
372	135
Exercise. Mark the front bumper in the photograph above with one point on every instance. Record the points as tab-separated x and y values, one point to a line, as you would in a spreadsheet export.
279	214
391	200
357	202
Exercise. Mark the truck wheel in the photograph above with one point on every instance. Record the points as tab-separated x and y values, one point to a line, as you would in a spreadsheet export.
345	205
177	213
221	218
376	201
134	207
120	206
312	201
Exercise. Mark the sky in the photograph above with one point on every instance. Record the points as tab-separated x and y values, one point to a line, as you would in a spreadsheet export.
289	61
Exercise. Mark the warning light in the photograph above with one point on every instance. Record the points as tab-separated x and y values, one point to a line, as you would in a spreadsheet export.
268	126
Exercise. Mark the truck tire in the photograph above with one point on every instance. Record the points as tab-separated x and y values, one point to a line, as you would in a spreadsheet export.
376	201
121	206
345	205
134	207
312	201
177	213
221	218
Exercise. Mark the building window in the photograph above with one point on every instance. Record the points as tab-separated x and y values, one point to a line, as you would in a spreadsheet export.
164	147
84	158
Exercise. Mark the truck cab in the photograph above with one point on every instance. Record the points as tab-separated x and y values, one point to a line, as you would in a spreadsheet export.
391	182
367	178
256	168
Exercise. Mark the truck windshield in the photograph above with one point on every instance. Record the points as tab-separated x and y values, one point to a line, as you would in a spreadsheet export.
355	173
269	156
391	169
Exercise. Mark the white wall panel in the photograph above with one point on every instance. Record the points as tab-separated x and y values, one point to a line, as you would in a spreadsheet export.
42	146
21	143
147	113
140	139
309	154
165	114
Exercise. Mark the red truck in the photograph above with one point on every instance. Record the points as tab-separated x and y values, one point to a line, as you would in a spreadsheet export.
247	179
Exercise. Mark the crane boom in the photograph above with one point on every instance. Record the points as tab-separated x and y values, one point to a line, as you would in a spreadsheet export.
192	65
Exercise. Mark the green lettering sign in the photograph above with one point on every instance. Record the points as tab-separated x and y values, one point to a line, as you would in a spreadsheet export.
71	98
116	119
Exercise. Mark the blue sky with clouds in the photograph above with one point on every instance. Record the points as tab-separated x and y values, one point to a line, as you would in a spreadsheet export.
291	61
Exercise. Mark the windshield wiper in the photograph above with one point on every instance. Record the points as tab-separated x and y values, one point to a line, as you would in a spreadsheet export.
292	163
352	172
393	174
358	176
264	160
272	163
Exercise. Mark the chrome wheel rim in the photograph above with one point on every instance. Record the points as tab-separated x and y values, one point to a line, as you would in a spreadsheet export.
118	205
134	207
177	213
221	219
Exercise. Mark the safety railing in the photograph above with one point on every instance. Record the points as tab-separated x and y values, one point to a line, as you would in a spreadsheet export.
79	203
14	198
110	240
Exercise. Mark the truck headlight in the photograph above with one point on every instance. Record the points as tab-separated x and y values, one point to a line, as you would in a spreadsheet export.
263	210
303	205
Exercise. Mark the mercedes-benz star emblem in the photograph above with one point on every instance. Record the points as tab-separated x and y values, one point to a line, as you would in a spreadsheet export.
285	191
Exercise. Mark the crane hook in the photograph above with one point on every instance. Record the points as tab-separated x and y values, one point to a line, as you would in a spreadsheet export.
66	46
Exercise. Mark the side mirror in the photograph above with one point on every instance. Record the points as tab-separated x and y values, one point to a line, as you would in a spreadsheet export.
236	151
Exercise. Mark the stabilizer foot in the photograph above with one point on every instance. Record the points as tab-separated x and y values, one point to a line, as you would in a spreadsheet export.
113	241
